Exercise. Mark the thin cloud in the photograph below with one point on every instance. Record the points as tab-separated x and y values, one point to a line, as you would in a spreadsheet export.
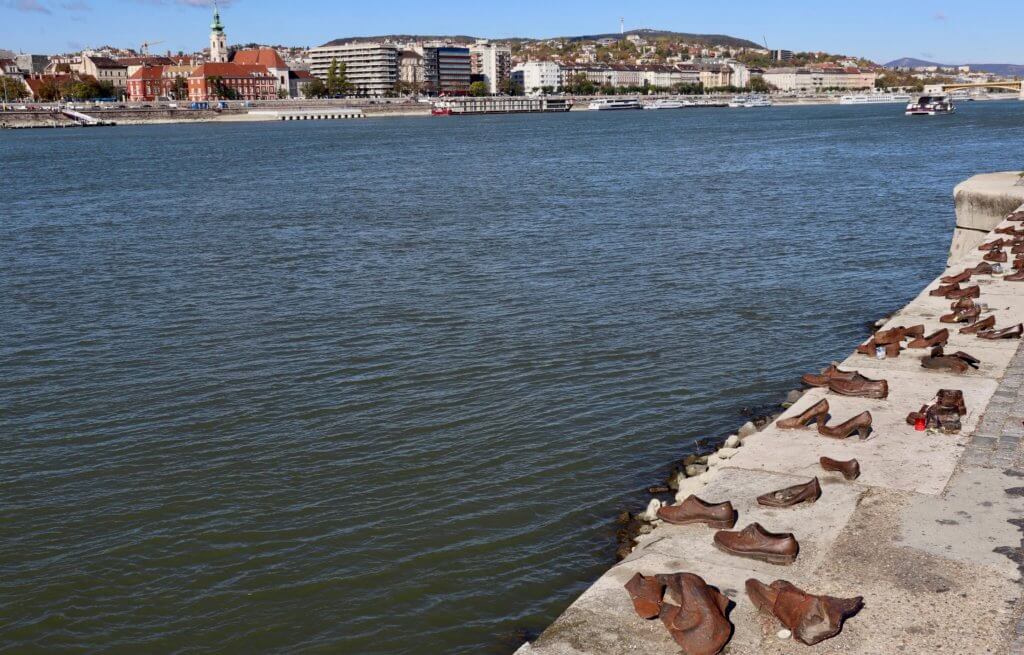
27	6
940	16
76	5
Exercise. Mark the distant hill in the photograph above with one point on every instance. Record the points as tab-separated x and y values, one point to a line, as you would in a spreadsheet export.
1006	70
709	39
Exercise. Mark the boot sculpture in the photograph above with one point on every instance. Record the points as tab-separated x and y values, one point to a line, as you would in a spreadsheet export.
1006	333
943	414
849	469
980	326
646	594
861	424
695	510
799	493
937	338
811	619
694	614
816	413
757	543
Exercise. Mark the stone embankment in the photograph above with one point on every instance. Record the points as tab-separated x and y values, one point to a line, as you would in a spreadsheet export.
929	534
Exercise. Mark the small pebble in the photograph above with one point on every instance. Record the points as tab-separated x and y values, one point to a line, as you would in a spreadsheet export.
783	634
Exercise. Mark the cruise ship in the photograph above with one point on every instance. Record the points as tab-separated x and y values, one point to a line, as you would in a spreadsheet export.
875	99
615	105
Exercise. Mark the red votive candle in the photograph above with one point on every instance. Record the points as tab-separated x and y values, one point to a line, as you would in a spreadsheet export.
919	424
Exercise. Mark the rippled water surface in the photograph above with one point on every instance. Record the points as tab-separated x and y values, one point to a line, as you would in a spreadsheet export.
381	386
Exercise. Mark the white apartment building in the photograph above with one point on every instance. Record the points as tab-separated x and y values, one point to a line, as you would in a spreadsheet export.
493	62
371	68
740	74
815	79
534	76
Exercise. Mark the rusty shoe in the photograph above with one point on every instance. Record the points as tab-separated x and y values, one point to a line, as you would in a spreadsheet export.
958	362
831	373
966	292
967	315
861	424
757	543
646	592
850	469
812	619
937	338
860	387
694	613
962	276
798	493
980	326
816	412
995	255
1016	276
1006	333
694	510
943	289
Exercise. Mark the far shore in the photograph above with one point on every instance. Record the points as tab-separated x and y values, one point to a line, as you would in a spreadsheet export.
384	108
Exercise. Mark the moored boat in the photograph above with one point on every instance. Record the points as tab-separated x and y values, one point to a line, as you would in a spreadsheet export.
930	106
614	105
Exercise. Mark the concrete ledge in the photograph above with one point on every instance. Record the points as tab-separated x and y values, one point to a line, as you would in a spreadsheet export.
981	203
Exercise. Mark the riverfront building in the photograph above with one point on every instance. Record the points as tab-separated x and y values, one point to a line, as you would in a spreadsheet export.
231	81
269	59
218	40
491	62
104	69
371	68
814	79
536	76
447	70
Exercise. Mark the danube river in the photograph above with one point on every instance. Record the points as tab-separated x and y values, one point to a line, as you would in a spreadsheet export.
380	387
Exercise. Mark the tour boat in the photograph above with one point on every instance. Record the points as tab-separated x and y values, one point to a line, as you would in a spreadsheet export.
665	103
441	111
748	102
874	99
930	106
614	105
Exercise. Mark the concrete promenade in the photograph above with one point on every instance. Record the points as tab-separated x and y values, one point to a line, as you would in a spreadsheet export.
930	534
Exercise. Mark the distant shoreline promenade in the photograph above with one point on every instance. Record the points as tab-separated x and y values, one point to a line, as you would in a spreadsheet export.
258	111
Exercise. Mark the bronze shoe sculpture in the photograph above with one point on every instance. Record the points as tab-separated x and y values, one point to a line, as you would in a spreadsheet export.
798	493
861	424
966	292
951	399
646	592
984	268
891	349
757	543
850	469
1006	333
830	373
816	412
1016	276
695	510
961	316
979	326
812	619
936	338
998	243
958	362
943	289
962	276
944	414
996	255
694	614
860	387
962	304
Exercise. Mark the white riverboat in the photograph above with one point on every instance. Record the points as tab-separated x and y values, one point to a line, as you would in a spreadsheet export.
665	103
930	106
749	102
615	105
875	99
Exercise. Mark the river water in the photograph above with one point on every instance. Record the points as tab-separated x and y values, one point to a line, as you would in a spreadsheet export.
381	386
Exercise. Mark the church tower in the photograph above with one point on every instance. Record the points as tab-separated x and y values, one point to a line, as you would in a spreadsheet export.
218	40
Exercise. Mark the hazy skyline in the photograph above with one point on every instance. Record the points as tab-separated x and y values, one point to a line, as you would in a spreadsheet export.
982	32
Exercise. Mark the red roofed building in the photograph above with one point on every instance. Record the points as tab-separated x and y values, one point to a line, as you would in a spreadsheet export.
269	59
217	81
154	82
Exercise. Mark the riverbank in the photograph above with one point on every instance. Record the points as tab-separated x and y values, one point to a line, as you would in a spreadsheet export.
929	534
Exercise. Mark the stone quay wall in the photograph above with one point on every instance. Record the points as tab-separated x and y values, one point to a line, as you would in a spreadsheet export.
930	534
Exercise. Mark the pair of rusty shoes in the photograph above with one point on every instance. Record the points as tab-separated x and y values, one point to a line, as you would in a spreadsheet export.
696	614
984	268
847	383
1013	332
943	413
818	414
890	340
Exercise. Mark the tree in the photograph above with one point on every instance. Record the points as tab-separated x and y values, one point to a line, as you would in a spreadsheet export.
221	90
12	89
180	88
479	89
758	85
49	90
315	88
282	94
337	80
512	88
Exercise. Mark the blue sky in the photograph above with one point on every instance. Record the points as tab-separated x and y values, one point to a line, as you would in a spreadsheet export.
981	31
